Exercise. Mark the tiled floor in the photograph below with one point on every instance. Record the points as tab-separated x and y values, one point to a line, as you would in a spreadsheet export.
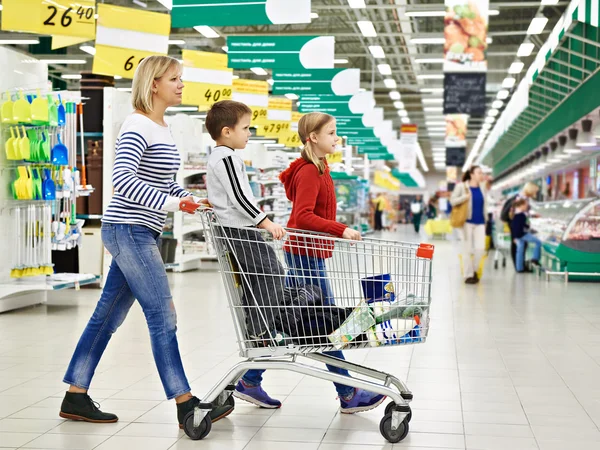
510	364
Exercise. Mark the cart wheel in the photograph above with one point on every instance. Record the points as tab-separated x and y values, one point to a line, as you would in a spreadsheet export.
196	433
393	436
389	408
496	264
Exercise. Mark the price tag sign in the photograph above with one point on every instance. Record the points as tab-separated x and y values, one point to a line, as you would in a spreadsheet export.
290	139
125	36
69	18
336	157
207	78
75	18
273	129
259	115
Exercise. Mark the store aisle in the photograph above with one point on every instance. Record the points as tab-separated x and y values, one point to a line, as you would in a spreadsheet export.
512	363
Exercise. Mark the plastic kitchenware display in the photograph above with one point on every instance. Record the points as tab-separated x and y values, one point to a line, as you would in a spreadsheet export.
9	146
52	112
7	110
22	110
24	148
62	114
60	153
39	110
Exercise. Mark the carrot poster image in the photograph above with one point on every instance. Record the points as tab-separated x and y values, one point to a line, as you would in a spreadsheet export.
465	31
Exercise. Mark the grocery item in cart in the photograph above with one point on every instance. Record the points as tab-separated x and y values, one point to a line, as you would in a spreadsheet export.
378	287
357	323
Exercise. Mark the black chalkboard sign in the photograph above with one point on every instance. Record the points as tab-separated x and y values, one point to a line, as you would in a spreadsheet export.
455	156
464	93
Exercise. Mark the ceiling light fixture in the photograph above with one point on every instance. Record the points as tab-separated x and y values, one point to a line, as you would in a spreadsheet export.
377	51
176	42
182	109
571	147
537	25
225	49
516	67
432	100
436	76
207	31
340	61
490	119
390	83
292	96
19	41
71	76
405	120
314	15
497	104
384	69
366	28
270	81
493	112
428	41
402	113
88	49
433	109
502	94
355	4
432	90
429	60
63	61
525	49
398	105
509	82
395	95
259	71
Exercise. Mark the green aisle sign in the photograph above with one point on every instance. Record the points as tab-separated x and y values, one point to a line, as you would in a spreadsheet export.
281	52
369	150
363	141
338	82
385	156
223	13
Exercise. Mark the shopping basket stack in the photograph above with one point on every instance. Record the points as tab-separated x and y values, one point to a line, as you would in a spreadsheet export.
375	293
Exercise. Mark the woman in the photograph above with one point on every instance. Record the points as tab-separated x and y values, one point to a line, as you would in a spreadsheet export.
145	163
309	187
416	208
471	190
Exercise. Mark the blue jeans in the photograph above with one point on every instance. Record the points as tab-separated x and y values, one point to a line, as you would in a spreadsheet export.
537	250
308	270
137	272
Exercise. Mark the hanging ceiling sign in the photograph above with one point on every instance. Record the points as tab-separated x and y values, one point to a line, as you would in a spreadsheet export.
207	78
464	93
190	13
76	18
465	33
406	149
456	130
338	82
281	52
125	36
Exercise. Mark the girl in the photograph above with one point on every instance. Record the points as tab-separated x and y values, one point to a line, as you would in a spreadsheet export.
145	164
473	232
309	187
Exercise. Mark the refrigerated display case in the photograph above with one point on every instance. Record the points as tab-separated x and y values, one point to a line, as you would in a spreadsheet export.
570	232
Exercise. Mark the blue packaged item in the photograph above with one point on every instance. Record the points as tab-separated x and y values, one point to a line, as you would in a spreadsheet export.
378	287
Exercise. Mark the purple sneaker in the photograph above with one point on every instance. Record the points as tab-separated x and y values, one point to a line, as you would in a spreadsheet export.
255	395
360	401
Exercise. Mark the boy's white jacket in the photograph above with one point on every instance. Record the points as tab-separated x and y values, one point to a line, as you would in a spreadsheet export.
229	191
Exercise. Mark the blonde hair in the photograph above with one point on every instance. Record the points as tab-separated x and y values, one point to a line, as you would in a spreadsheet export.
530	189
312	123
150	69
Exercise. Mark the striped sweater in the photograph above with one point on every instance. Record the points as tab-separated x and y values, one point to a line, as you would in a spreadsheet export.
146	162
229	191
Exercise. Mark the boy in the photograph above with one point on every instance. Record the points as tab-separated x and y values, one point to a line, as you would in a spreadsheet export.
519	227
231	197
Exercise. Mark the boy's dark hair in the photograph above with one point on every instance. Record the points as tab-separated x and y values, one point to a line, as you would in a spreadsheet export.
226	113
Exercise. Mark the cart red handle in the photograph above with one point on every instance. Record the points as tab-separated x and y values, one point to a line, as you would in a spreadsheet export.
425	251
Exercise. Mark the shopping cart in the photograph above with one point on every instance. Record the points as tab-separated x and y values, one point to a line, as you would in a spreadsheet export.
382	292
502	243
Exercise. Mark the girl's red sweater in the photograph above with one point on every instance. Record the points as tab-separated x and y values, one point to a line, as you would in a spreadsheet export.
314	207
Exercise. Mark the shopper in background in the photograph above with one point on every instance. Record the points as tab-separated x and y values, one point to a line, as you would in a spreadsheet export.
416	208
146	162
432	207
472	191
309	187
520	232
379	203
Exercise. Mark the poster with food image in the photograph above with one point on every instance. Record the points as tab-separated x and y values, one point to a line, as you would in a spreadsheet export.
465	32
456	130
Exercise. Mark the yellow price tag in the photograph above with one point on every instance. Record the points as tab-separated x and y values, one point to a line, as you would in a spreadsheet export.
336	157
251	87
273	129
117	61
69	18
53	17
290	139
204	94
259	115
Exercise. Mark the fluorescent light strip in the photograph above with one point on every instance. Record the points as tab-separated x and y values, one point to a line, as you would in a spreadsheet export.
537	25
366	28
340	61
259	71
377	51
63	61
398	105
432	100
508	82
207	31
88	49
430	60
516	67
355	4
525	49
390	83
19	41
432	90
71	76
384	69
176	42
395	95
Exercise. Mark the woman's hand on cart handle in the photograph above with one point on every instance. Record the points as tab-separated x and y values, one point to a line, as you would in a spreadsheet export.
191	204
351	234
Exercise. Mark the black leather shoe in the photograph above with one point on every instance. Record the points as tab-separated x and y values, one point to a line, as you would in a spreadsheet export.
82	407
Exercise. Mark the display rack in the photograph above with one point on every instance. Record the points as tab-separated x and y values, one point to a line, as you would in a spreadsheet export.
352	194
570	235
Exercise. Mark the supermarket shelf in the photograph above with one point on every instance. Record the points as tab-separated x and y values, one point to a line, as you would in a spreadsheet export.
192	228
191	172
268	198
89	216
47	283
269	182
